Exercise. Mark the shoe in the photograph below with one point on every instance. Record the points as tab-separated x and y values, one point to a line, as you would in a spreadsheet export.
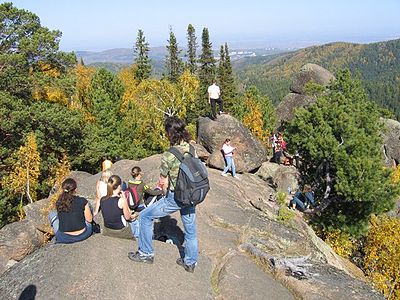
224	174
187	268
236	177
136	256
222	113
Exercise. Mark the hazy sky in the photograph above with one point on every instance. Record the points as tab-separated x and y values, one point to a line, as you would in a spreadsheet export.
101	24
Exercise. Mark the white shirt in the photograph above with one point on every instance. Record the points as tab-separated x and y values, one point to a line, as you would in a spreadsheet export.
213	91
228	149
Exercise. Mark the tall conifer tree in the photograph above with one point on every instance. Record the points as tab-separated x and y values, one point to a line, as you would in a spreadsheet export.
221	69
142	60
207	69
229	90
191	52
173	63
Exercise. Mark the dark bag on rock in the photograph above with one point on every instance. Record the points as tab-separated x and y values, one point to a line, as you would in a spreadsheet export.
192	184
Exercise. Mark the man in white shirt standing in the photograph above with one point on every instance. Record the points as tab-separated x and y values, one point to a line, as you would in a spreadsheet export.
214	96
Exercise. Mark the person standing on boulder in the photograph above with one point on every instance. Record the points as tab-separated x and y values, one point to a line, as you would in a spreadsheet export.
214	96
178	137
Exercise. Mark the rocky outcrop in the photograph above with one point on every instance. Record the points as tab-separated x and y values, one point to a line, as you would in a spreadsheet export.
238	244
286	108
391	140
17	240
297	98
279	176
250	153
310	72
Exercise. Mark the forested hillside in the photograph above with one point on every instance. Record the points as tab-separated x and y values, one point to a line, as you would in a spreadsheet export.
377	65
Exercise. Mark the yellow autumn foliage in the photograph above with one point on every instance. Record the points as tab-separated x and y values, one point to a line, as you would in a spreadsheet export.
23	179
340	242
396	175
382	255
253	119
83	77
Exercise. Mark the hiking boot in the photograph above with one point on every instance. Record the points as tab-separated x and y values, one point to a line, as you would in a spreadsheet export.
224	174
187	268
138	257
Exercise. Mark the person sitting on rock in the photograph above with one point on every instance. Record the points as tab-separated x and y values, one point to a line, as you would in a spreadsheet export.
115	211
142	192
101	189
303	200
71	221
227	149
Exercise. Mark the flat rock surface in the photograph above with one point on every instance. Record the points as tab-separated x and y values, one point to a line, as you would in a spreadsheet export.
99	268
234	283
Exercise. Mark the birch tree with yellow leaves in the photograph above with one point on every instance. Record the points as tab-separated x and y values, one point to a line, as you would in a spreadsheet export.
23	179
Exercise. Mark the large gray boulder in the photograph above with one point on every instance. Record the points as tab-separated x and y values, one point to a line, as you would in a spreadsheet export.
297	98
36	213
391	140
286	108
279	176
250	153
17	240
311	72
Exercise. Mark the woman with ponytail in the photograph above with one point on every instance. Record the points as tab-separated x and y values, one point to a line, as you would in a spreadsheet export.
115	211
72	219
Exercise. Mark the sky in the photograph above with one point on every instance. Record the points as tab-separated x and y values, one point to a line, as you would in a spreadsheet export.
102	24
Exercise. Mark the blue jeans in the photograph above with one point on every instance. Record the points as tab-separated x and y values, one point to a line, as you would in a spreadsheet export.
300	205
230	165
164	207
65	238
135	227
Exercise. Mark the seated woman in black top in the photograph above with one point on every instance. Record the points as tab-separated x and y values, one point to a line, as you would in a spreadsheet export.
71	221
115	211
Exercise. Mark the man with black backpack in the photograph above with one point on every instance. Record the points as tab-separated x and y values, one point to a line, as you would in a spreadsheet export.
185	181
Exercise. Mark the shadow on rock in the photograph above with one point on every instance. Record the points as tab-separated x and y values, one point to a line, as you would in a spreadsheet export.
29	293
167	230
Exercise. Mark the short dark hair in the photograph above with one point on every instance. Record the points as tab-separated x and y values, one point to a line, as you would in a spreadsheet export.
176	131
136	171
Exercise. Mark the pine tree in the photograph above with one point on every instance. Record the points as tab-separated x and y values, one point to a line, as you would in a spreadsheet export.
142	60
338	139
229	91
207	70
221	70
191	52
173	62
104	136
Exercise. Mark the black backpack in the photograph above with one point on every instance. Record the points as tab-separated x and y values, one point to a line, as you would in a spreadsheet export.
192	184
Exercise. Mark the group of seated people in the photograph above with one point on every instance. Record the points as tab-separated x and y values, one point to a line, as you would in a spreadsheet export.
72	221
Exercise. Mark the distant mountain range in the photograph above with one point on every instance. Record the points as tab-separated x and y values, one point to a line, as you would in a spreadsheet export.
377	65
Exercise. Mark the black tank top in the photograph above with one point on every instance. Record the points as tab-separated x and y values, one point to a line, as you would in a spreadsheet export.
111	213
74	219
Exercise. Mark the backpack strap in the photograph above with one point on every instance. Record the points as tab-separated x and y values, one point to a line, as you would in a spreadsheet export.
176	153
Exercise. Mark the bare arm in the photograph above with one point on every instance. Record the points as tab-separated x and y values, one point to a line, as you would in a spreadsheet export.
97	206
124	205
88	214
